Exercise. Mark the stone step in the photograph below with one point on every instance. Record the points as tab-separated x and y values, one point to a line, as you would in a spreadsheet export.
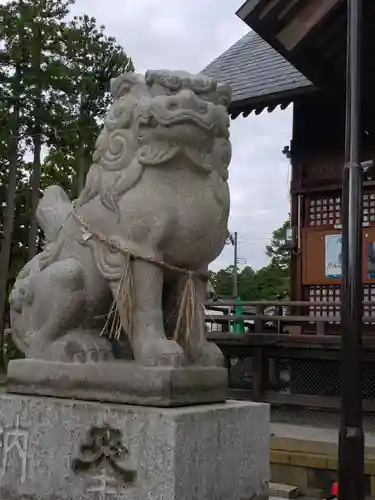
278	490
299	498
275	498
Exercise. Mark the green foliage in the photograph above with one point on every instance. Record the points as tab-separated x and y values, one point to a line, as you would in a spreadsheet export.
272	282
247	283
268	283
222	281
277	250
91	60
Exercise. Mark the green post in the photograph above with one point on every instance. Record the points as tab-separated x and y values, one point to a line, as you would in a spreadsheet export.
238	325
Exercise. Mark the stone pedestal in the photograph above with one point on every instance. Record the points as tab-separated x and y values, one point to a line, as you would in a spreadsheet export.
56	449
119	382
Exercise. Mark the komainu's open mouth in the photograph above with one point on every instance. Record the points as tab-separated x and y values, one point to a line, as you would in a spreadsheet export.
186	117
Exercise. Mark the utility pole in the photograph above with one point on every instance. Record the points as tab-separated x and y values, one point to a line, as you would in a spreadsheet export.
235	270
351	438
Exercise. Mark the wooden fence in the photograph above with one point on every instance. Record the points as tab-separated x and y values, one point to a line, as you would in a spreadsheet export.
259	320
293	371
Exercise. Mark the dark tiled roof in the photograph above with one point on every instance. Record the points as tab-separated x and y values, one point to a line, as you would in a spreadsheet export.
256	72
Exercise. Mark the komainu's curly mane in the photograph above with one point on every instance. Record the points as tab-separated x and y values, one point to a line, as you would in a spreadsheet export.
116	146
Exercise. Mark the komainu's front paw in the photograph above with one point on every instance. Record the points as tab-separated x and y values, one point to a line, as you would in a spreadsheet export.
208	354
159	352
79	346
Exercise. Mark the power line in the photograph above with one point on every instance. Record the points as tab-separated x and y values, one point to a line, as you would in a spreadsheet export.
253	239
256	235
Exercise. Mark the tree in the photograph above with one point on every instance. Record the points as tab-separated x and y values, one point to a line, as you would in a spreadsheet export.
272	282
247	284
222	281
11	81
46	25
277	249
268	283
92	60
31	30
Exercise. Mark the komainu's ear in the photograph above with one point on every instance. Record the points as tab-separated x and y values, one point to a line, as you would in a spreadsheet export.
225	94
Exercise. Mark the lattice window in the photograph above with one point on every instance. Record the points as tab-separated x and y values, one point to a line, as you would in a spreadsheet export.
332	293
369	296
325	293
324	211
369	208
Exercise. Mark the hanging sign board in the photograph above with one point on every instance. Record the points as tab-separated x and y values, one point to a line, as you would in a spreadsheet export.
333	255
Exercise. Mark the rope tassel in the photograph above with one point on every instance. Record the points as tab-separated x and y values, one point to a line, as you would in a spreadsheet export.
190	315
121	313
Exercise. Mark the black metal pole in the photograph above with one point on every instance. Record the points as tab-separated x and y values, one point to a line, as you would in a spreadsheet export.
351	438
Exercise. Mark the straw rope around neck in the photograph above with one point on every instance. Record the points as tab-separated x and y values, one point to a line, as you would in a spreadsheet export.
120	317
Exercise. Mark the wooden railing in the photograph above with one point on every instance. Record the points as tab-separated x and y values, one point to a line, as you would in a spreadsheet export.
308	388
312	359
260	320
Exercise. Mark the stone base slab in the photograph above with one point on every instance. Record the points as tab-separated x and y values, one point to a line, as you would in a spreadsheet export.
119	382
59	449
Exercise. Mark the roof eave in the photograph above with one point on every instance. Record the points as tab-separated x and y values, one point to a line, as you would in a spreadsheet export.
245	9
268	101
307	66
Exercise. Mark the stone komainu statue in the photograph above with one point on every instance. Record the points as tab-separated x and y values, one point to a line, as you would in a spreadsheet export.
152	216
